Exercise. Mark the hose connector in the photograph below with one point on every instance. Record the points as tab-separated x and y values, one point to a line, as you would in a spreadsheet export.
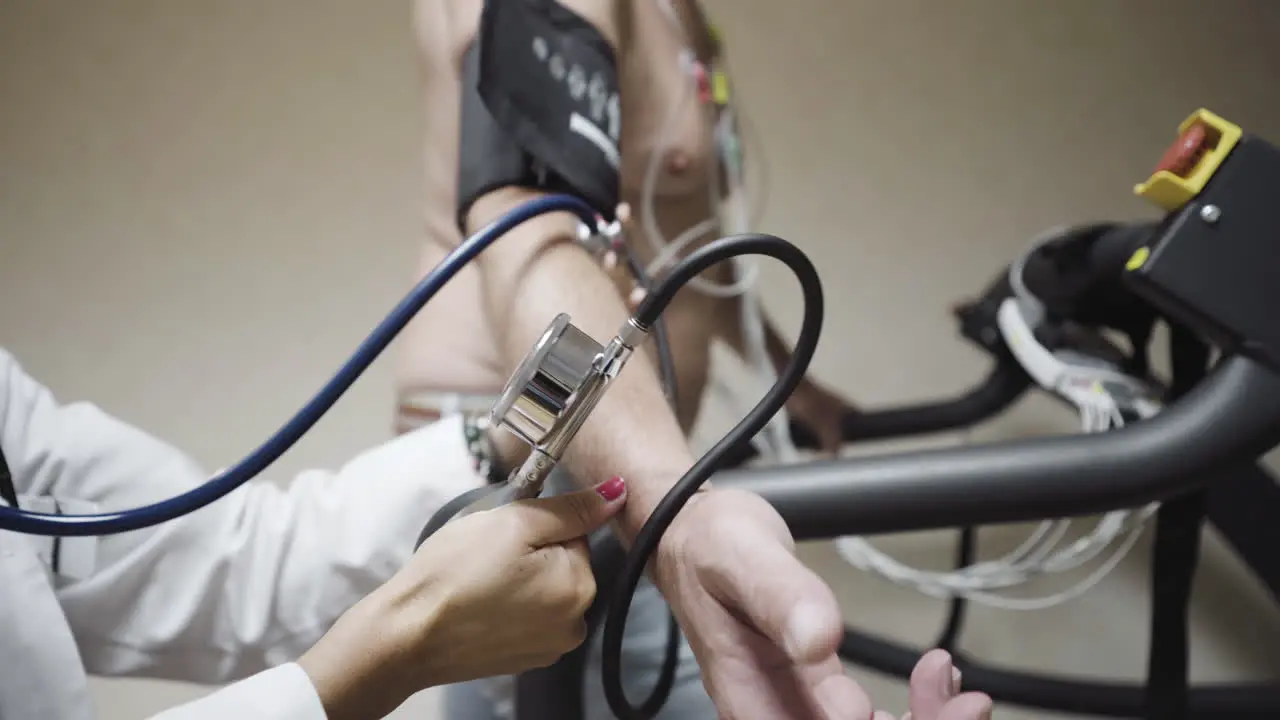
605	238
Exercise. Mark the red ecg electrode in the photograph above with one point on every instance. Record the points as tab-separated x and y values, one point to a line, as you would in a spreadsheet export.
704	83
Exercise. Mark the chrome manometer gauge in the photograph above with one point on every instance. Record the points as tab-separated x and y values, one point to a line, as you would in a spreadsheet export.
552	392
546	383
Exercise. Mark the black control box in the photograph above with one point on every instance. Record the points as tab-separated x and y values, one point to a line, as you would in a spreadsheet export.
1214	263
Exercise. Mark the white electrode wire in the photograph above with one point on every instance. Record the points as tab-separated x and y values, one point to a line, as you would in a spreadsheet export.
1099	413
747	142
775	440
670	252
777	434
1032	308
754	351
1132	526
753	144
648	215
751	133
670	11
774	443
991	574
1035	557
734	204
1039	555
1002	602
1028	555
666	254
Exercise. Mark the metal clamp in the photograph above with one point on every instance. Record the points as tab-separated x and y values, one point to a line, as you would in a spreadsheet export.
603	239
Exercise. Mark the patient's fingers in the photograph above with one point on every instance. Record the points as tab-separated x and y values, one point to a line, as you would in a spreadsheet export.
969	706
934	681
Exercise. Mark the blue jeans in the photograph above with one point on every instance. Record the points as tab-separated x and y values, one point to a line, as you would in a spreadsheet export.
644	648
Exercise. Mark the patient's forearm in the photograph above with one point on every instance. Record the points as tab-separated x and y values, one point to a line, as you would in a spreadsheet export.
537	271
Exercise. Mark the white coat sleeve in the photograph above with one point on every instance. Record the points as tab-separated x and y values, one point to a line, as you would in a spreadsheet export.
245	584
281	693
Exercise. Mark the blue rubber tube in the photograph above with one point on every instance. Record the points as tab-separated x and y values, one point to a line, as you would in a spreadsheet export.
33	523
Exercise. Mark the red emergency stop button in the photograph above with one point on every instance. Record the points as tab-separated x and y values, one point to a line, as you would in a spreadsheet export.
1203	143
1182	156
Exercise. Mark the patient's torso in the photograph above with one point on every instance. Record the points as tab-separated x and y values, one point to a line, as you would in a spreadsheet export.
450	346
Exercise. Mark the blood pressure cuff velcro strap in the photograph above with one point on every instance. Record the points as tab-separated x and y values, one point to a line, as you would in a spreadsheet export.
540	106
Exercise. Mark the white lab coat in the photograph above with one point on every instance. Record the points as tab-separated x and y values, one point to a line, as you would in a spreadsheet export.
234	592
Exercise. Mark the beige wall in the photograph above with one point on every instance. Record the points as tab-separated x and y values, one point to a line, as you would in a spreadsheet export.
205	206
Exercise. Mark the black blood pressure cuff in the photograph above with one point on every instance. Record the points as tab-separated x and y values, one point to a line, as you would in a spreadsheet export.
540	107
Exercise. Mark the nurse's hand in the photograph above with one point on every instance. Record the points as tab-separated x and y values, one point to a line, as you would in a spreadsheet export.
493	593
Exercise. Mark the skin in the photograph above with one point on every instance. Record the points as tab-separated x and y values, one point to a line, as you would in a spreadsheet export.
764	628
475	360
443	620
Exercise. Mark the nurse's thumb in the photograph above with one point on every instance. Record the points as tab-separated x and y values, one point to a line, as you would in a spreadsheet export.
559	519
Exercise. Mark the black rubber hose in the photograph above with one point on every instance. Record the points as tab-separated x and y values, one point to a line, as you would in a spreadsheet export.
667	371
646	541
666	360
451	508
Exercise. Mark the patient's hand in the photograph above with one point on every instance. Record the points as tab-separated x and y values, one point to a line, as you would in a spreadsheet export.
822	411
935	693
765	628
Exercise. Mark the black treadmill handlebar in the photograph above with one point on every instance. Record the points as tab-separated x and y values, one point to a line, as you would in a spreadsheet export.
1231	418
1003	385
1006	382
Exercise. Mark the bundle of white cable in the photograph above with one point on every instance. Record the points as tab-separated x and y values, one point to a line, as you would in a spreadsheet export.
1037	557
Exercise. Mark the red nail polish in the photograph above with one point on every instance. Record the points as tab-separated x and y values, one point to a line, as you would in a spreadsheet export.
612	490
